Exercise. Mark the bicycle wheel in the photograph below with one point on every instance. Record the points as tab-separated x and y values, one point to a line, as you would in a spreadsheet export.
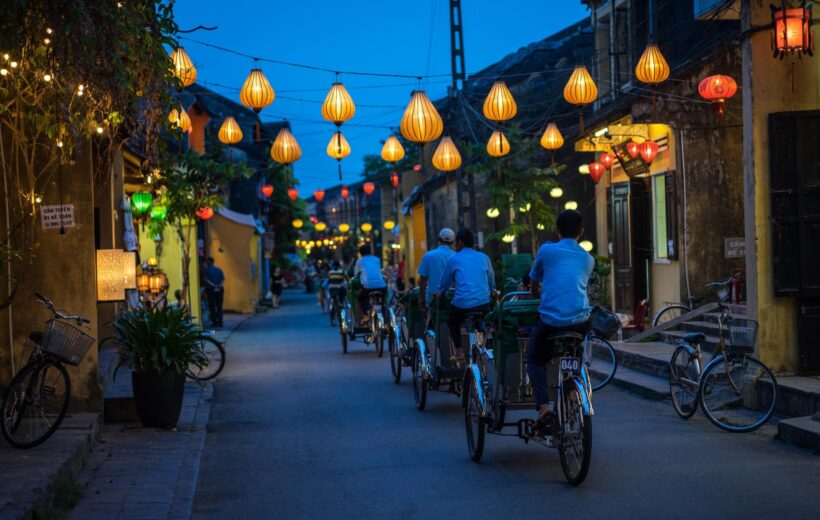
475	424
395	357
575	436
333	313
215	353
378	334
684	374
738	393
35	403
669	313
419	384
600	361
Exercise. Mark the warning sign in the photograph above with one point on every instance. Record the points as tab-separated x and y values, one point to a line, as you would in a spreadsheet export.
55	217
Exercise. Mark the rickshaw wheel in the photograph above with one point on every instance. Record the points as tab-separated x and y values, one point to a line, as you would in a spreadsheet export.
475	424
395	357
419	384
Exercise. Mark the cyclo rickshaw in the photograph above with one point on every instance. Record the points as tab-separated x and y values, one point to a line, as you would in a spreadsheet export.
374	332
431	354
497	383
406	322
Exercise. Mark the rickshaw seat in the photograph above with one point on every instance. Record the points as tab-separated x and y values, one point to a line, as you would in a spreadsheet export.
569	335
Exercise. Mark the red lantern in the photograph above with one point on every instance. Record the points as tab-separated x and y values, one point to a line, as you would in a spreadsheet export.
345	192
267	190
368	188
596	170
791	31
319	195
314	219
293	193
204	213
649	149
606	159
394	179
633	149
416	167
717	89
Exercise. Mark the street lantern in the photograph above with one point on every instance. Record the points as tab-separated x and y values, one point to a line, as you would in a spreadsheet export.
633	149
184	69
320	226
571	205
142	282
158	212
319	195
157	282
344	228
229	132
394	180
652	68
367	227
180	119
389	224
421	122
297	223
493	213
606	159
556	192
583	169
649	149
392	151
345	192
717	89
338	106
552	138
205	213
498	146
256	93
499	106
368	188
791	30
338	148
508	238
293	193
285	149
267	190
446	157
596	170
580	90
586	245
141	201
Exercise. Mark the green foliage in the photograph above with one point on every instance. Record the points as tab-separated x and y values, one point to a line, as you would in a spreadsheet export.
599	283
157	340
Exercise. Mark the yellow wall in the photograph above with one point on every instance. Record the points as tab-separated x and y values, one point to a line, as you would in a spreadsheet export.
236	242
170	261
418	238
767	88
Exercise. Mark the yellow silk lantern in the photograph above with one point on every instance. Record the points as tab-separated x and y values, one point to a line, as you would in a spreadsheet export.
498	146
338	147
552	138
500	105
446	157
389	224
184	69
367	227
580	89
180	119
344	228
257	93
392	151
321	226
285	149
421	122
338	106
652	67
297	223
229	132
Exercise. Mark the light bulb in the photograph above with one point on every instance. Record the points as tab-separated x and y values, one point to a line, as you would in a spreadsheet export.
99	129
47	41
48	30
3	72
46	77
14	64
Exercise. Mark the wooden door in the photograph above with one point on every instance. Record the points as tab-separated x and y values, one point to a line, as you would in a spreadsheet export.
640	219
621	247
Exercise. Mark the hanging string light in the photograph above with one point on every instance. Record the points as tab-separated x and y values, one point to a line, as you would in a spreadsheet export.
392	151
229	132
446	157
297	223
256	93
498	145
493	212
184	69
580	91
344	228
338	148
499	106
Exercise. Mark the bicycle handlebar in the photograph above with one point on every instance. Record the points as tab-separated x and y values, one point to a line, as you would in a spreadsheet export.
48	304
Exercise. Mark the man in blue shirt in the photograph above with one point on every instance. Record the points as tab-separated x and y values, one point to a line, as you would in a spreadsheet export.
369	271
561	272
214	291
472	273
432	266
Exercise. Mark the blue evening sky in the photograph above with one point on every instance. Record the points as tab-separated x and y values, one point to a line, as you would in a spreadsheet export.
405	37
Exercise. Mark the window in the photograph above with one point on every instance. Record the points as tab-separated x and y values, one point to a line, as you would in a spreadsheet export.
664	216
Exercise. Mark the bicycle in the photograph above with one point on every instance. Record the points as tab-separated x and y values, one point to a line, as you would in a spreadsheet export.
36	400
738	393
214	350
335	305
726	290
600	360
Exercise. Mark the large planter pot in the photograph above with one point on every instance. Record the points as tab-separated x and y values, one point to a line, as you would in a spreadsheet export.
158	397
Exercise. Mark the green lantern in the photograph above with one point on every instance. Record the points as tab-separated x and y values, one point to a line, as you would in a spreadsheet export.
159	212
140	201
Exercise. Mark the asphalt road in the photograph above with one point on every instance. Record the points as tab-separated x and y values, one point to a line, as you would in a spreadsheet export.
299	430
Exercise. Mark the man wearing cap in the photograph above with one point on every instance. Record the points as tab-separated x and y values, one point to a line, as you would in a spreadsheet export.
432	266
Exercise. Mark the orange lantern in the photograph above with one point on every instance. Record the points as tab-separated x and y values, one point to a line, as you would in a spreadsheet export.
293	193
345	191
394	180
606	159
633	149
421	122
498	145
180	119
446	157
392	151
717	89
338	148
285	149
791	31
205	213
183	68
267	190
649	149
499	106
229	132
256	93
652	68
338	106
319	195
368	188
596	170
552	138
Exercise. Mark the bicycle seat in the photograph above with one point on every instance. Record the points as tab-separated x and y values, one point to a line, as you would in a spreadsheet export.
474	321
569	335
36	337
694	337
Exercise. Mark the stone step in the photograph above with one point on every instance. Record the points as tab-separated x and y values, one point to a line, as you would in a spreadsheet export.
640	383
803	432
798	396
650	358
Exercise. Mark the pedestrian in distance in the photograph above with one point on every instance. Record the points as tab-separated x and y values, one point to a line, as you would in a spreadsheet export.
276	286
214	291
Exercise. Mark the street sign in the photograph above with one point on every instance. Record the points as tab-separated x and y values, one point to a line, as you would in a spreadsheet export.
734	247
56	217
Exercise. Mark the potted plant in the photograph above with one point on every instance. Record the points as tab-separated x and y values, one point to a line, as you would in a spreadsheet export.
159	345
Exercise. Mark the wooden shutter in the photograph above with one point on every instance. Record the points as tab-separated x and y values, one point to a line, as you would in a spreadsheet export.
671	217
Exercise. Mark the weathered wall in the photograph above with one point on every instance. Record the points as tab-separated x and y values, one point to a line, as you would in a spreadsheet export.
230	245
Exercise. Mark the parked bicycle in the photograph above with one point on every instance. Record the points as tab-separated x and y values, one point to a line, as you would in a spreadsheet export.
36	400
738	392
726	291
214	350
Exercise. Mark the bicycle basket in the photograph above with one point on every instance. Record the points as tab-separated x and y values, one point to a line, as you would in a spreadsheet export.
604	323
65	341
742	335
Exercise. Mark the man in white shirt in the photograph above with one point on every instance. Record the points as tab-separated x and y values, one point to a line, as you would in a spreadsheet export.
369	271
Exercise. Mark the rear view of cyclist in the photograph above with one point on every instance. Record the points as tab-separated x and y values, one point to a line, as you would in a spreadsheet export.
559	275
369	271
336	281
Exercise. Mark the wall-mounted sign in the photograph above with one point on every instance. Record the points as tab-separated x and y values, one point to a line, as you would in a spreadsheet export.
55	217
734	247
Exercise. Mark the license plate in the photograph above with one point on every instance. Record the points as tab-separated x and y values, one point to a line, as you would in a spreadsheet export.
570	364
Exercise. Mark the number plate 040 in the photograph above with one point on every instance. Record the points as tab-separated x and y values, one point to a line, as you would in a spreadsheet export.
570	364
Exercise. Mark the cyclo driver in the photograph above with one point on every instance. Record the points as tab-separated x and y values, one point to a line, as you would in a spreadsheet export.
369	271
561	272
336	281
472	274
